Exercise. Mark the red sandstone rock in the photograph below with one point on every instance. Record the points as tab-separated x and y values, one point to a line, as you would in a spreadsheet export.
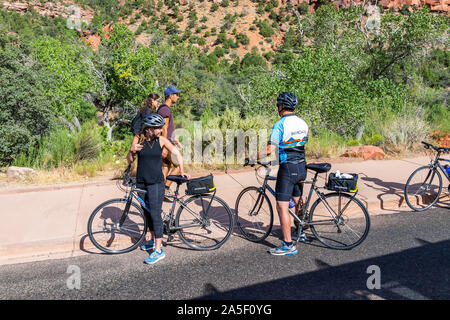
443	140
365	152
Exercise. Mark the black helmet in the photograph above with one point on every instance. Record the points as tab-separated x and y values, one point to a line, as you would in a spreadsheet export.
288	100
153	120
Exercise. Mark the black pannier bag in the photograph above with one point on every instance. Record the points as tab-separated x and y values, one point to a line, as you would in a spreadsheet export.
341	184
200	185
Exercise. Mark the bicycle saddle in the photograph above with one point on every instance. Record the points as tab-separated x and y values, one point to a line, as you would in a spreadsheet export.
177	179
319	167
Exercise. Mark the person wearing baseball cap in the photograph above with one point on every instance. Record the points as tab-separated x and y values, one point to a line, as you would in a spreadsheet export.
170	90
171	95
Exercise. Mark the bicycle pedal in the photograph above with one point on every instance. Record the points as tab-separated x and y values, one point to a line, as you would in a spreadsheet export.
302	238
170	238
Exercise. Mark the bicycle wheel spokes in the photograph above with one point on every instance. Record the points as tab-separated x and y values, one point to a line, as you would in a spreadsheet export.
254	214
108	235
423	188
202	228
340	222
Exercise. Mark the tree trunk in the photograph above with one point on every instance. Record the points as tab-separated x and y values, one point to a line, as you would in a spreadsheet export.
67	123
76	123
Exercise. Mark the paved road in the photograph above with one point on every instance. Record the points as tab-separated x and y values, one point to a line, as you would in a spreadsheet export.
411	251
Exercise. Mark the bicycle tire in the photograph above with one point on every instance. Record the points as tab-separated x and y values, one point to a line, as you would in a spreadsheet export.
259	227
355	219
430	198
112	210
219	225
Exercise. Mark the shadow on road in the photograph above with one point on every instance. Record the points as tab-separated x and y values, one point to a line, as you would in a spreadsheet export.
419	273
386	188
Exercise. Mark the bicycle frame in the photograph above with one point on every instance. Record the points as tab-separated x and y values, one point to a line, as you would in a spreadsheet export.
438	165
134	193
301	219
435	163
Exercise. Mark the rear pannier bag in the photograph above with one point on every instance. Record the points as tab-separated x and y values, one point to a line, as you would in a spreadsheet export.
200	185
341	184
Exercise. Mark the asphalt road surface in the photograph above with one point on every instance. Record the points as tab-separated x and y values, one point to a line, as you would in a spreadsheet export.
405	256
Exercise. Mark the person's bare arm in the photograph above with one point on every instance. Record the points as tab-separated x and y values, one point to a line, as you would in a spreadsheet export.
131	156
165	126
165	143
264	153
135	147
134	144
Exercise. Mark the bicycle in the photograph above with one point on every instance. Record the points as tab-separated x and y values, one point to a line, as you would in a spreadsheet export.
337	219
120	225
422	190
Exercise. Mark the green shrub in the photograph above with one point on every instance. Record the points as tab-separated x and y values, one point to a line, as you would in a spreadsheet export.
323	143
352	142
243	38
402	132
253	59
88	143
374	140
214	7
303	8
265	29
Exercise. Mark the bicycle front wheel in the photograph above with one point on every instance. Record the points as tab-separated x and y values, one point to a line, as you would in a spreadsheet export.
423	188
204	222
115	227
339	221
254	214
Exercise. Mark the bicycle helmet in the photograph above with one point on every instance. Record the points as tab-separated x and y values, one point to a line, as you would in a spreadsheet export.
153	120
288	100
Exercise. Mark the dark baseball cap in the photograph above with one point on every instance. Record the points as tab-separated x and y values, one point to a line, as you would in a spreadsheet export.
170	90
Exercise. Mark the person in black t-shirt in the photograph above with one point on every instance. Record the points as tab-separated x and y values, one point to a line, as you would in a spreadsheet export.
150	177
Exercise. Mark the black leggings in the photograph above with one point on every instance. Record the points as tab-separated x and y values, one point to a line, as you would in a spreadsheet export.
154	199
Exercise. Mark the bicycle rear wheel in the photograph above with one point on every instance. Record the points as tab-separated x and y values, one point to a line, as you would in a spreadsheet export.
423	188
203	226
106	232
339	221
254	214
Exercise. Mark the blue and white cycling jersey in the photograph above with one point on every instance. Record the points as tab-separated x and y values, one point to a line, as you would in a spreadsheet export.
290	134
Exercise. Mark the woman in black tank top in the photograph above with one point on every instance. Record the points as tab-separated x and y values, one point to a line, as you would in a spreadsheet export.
150	177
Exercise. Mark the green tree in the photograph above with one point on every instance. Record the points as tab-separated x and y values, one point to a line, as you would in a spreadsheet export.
403	39
63	58
26	112
123	76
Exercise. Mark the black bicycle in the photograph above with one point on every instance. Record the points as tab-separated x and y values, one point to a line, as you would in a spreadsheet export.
424	185
337	219
203	221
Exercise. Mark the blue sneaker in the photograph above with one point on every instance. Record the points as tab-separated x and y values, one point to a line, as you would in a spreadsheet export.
155	257
149	245
284	250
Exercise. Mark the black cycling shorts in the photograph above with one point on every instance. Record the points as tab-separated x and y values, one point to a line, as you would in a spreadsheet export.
290	180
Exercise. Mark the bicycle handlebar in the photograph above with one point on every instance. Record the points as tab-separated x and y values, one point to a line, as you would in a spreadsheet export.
264	164
127	179
438	149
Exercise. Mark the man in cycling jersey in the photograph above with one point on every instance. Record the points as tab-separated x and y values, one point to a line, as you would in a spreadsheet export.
289	135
